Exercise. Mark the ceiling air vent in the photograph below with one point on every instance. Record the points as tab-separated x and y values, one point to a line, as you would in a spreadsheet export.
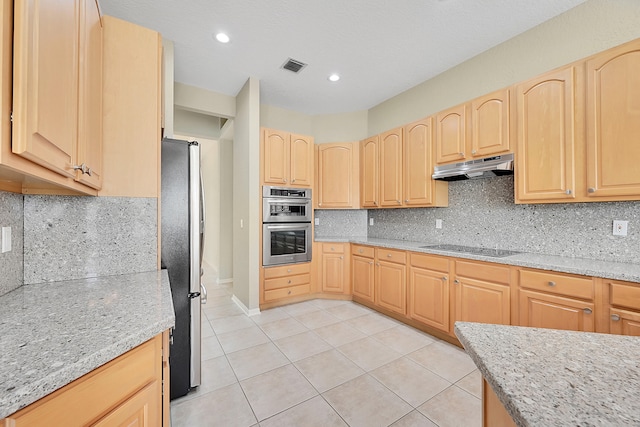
293	65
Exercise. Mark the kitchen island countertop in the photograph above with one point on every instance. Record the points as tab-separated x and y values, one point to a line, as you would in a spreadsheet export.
582	266
54	333
546	377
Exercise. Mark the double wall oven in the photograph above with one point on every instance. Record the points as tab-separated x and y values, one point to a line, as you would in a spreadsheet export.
286	225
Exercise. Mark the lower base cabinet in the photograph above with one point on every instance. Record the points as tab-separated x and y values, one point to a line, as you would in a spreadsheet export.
334	272
287	281
429	290
540	310
493	412
362	272
128	391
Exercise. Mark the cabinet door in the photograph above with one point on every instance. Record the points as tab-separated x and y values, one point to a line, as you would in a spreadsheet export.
334	268
451	134
90	96
336	176
546	144
362	277
391	290
624	322
490	117
613	123
418	164
540	310
369	173
429	297
141	410
480	301
276	151
390	152
301	158
45	86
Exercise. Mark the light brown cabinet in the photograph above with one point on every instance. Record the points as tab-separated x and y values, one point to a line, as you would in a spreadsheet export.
337	182
622	307
429	290
335	269
390	155
451	134
362	272
419	188
286	281
287	159
613	123
126	391
369	182
390	280
482	293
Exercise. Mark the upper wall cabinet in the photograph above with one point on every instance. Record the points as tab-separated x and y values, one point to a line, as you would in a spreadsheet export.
369	182
287	159
390	158
57	87
337	185
613	123
547	123
478	128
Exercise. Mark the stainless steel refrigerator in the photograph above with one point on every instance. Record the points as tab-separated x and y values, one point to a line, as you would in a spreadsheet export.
182	243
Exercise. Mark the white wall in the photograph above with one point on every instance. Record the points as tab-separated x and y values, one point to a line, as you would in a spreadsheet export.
225	272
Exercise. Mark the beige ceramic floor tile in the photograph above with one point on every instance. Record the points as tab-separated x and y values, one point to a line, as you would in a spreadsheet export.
213	302
231	323
256	360
225	310
414	419
403	339
210	348
314	412
349	311
410	381
316	319
364	402
327	370
472	383
372	323
206	329
276	391
300	308
283	328
241	339
215	374
446	360
454	407
339	334
329	303
224	407
213	292
303	345
368	353
270	315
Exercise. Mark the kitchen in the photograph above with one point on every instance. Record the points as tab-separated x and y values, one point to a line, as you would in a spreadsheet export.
587	36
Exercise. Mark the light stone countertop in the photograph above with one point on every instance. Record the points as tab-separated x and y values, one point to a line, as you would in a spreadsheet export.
582	266
53	333
547	377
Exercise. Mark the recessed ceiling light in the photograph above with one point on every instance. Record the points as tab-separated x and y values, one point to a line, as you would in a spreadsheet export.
334	77
222	38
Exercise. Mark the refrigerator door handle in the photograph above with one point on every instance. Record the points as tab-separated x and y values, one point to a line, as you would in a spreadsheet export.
203	294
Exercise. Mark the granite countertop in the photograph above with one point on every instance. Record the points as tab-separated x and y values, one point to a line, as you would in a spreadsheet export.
53	333
547	377
582	266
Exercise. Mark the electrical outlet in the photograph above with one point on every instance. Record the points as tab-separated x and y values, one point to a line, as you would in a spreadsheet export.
438	223
370	221
317	221
6	239
620	227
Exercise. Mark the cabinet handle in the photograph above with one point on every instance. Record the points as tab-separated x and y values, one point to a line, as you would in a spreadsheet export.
444	278
587	310
399	202
591	190
473	151
82	168
568	192
377	264
289	292
456	281
288	270
406	201
375	203
461	154
289	281
389	255
341	257
360	250
615	317
293	180
552	284
320	204
284	180
370	262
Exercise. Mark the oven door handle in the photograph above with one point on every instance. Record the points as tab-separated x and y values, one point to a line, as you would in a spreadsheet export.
289	226
288	202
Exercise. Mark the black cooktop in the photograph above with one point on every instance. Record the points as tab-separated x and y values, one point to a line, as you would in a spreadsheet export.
496	253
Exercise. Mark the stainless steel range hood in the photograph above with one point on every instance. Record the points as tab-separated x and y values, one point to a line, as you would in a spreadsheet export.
473	169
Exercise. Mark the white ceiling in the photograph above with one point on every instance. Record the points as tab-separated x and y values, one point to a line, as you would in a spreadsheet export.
379	47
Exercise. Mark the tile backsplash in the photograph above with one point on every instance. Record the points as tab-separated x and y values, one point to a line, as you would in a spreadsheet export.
482	213
11	264
69	237
341	222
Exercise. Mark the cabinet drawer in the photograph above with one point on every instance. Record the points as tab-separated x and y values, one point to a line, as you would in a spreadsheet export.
392	255
625	295
287	270
281	282
333	248
489	272
561	284
429	262
290	291
365	251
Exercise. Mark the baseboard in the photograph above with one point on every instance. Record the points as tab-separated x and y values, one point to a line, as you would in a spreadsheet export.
244	308
223	281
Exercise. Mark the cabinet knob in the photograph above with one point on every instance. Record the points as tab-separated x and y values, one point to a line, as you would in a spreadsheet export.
289	292
473	151
461	154
456	281
406	200
288	270
552	284
293	180
444	278
360	250
389	255
615	317
399	202
375	203
289	281
370	262
341	257
377	264
284	180
568	192
320	204
591	190
332	248
587	310
83	168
